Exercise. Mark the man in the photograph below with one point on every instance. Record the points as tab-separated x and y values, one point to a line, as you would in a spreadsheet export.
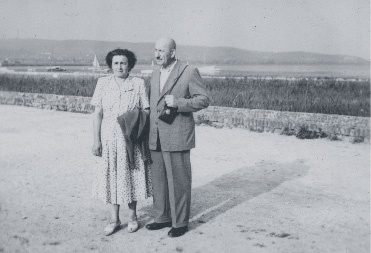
170	143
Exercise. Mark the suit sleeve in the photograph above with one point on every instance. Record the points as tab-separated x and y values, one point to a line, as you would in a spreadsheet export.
199	99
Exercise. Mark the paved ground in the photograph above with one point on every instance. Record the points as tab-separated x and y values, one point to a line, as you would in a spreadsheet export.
252	192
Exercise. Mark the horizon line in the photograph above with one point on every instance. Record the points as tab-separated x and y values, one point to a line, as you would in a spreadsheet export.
274	52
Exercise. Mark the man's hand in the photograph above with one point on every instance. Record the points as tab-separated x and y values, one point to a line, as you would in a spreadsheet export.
97	149
171	101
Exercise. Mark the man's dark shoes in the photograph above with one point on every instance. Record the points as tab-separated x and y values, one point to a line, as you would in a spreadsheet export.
157	226
176	232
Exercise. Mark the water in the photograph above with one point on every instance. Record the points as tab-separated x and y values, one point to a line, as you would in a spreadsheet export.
336	71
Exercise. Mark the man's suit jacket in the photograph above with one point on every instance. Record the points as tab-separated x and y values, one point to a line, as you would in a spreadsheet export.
191	95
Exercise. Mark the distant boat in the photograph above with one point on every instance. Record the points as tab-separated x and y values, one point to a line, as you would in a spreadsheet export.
209	70
6	70
56	69
96	62
96	66
147	72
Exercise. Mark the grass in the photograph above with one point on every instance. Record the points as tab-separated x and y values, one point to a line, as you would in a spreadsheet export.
315	96
303	95
64	85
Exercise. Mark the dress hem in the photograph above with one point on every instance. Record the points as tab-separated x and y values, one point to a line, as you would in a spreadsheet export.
121	203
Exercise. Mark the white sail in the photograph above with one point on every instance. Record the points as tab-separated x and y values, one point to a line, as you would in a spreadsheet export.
96	62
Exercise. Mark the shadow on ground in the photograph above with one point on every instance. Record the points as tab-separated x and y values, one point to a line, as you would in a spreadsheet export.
232	189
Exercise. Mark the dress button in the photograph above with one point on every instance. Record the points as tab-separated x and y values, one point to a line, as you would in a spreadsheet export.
156	122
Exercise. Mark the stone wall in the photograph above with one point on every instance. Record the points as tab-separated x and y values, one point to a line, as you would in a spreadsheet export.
47	101
303	125
337	127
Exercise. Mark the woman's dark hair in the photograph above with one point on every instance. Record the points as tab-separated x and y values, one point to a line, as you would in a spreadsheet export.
132	59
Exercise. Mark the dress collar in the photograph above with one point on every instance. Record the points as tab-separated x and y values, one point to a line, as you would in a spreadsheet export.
127	84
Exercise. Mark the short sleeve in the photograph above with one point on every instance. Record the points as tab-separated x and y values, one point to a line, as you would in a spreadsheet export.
143	97
97	96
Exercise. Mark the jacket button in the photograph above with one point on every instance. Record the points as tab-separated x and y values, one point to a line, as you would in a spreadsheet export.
158	112
156	122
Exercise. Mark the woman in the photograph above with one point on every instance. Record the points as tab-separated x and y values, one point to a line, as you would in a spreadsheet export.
115	183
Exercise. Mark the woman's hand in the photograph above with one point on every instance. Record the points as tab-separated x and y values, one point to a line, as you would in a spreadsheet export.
97	149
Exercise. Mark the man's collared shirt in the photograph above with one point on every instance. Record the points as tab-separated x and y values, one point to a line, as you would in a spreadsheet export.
164	75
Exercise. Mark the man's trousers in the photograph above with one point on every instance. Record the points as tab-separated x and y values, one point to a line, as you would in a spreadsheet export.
171	180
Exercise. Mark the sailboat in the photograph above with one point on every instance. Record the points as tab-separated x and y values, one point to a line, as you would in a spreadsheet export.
96	65
96	62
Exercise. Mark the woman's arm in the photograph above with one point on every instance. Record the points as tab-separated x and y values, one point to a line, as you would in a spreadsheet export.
97	123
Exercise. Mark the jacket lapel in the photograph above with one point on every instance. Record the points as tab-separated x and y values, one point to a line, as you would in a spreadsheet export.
173	77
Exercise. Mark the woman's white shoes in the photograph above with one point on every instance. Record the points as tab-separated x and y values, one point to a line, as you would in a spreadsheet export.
133	226
111	228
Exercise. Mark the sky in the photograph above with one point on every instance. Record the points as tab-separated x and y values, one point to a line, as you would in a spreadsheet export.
320	26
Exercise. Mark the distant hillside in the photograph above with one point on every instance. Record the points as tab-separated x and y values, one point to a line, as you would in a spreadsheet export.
37	51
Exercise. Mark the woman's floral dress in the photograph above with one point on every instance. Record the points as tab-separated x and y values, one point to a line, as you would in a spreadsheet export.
114	182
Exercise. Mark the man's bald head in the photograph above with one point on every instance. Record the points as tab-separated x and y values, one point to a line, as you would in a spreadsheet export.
165	51
167	42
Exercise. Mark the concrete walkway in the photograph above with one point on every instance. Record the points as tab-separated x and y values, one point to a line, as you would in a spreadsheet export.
252	192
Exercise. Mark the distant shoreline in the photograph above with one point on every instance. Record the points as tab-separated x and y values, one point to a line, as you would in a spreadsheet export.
252	70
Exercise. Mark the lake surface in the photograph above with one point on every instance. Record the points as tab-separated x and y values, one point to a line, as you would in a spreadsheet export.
336	71
348	71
